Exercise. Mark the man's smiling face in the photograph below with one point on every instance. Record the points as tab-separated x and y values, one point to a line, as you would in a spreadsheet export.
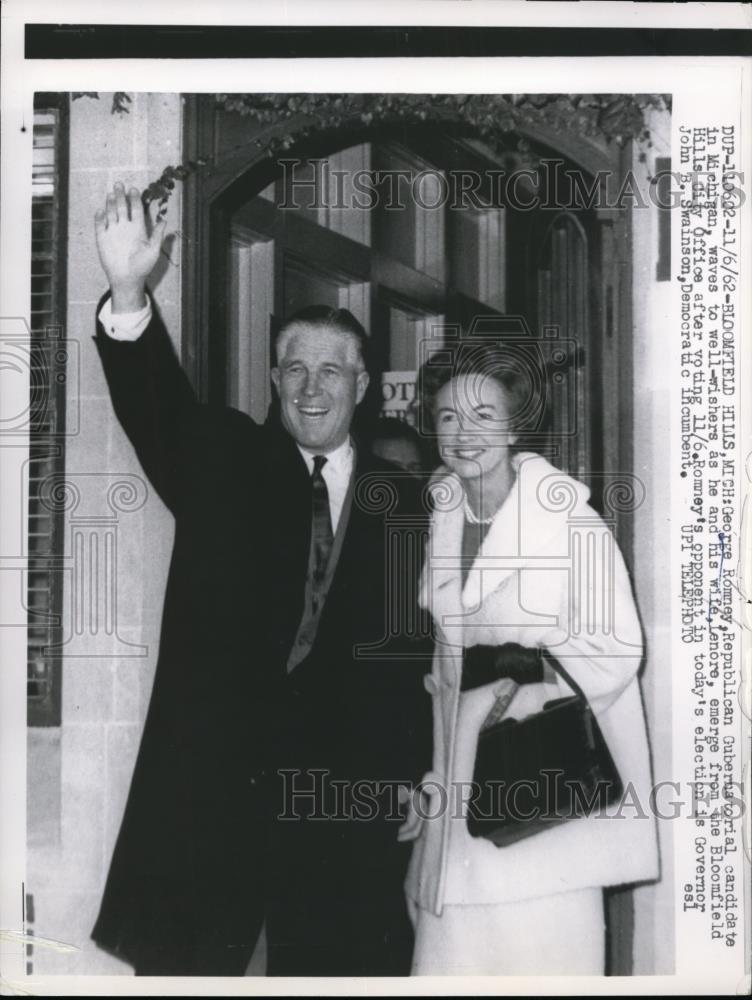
320	380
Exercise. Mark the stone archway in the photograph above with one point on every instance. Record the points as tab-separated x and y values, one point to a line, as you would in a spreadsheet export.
237	148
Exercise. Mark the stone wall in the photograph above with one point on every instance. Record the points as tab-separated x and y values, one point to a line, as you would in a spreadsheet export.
79	774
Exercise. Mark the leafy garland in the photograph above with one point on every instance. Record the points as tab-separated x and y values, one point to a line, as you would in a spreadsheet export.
160	189
120	100
495	118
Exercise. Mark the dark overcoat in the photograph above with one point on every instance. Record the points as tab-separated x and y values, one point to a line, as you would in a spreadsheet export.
192	871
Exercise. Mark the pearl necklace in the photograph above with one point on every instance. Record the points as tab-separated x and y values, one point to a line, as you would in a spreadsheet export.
473	518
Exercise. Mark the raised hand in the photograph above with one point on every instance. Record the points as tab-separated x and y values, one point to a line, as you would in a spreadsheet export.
126	250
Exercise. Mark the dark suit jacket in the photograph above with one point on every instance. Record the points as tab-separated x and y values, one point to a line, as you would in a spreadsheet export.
187	868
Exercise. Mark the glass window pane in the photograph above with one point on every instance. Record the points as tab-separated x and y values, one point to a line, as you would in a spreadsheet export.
306	287
478	255
411	210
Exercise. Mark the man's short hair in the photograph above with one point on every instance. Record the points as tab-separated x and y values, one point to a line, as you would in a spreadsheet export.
326	317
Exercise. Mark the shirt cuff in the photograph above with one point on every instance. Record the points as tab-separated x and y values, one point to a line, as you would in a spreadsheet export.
124	326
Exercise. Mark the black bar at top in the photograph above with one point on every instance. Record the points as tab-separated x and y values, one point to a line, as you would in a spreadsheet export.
126	41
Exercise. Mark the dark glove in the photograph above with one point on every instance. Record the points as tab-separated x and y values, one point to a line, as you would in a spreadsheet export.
486	664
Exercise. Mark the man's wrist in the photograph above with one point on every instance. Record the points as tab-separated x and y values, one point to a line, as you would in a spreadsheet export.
124	325
128	299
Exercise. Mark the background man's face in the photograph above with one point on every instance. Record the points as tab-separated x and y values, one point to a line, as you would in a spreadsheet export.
400	452
320	382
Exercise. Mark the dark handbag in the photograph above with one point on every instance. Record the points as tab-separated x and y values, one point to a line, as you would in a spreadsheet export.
535	773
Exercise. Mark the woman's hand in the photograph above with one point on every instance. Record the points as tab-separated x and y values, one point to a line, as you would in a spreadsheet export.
127	252
410	829
482	664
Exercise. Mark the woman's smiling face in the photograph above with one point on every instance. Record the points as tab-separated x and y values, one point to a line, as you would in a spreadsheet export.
472	424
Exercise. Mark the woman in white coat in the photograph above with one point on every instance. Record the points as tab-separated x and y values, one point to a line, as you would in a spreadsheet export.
517	556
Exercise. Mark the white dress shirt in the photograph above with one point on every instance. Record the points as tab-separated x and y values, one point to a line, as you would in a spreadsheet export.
339	463
336	472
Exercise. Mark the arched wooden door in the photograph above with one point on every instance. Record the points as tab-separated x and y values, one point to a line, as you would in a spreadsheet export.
406	270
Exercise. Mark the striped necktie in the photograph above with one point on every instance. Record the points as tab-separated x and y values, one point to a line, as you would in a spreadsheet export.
321	523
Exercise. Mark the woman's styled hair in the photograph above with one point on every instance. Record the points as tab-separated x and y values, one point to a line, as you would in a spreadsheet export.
517	368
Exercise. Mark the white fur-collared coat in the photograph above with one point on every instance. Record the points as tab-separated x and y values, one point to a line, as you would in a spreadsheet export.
549	574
